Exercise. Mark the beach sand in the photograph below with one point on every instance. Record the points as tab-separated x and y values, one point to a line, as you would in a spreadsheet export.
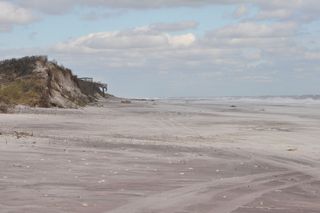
162	156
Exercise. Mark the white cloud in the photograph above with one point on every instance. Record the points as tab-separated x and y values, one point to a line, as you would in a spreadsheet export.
171	27
145	47
59	6
256	49
312	55
181	40
298	10
138	38
12	15
275	14
254	29
303	10
241	11
49	6
285	10
98	15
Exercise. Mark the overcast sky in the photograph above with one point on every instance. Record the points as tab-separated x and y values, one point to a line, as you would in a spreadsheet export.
161	48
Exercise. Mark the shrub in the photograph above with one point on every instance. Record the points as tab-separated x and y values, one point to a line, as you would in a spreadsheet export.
23	91
4	106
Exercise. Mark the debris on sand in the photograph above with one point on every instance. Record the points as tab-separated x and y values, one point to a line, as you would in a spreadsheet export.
126	102
22	134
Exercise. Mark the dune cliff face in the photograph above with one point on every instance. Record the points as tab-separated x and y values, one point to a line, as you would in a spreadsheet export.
35	81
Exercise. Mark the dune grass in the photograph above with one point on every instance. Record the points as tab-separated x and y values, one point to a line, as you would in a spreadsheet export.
22	91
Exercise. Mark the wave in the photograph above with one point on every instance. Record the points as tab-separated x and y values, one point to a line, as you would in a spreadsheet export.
304	99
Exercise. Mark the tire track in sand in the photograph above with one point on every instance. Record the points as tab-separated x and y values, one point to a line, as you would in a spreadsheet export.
186	197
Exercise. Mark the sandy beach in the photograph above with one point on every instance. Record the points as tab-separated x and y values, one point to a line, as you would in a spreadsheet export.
162	156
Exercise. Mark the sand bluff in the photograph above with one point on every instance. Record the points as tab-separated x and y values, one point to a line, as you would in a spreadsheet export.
36	81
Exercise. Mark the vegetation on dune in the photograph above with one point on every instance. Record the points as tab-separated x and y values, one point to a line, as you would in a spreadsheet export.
23	91
4	107
12	69
34	81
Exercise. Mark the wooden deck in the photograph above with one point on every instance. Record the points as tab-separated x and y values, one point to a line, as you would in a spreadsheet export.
103	86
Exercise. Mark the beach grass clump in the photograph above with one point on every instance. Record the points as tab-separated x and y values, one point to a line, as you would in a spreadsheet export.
4	108
22	92
4	105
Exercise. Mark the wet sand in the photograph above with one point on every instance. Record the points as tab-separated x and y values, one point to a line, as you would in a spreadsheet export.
162	156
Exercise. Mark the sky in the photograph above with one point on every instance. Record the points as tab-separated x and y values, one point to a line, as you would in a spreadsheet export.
173	48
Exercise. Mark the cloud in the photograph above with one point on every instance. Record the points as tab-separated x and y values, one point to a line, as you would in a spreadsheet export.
313	55
275	14
241	11
60	6
301	11
294	10
138	38
63	5
49	7
94	15
12	15
171	27
254	29
144	46
141	47
257	49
